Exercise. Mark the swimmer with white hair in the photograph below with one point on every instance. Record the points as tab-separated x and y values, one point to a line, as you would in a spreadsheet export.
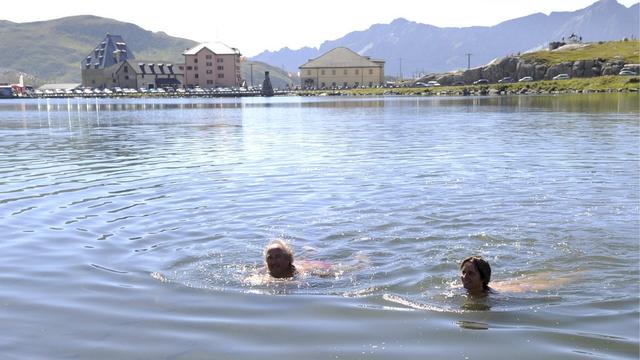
278	257
279	264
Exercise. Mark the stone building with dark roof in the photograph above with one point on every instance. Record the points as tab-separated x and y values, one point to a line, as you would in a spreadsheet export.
148	75
341	67
98	66
111	64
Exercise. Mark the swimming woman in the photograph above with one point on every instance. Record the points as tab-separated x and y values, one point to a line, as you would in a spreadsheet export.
475	274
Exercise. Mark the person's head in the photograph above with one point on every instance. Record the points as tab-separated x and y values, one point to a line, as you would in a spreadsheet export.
475	274
278	257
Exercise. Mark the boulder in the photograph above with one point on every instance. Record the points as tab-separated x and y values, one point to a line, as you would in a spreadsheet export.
562	68
585	68
525	69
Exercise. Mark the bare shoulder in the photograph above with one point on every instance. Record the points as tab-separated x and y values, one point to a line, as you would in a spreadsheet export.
533	282
314	267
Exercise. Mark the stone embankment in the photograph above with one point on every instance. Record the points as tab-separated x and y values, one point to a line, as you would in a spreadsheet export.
517	68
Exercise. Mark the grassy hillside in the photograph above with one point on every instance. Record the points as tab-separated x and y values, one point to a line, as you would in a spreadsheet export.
628	50
51	51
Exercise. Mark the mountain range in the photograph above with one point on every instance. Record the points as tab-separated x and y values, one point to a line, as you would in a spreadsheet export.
51	51
411	48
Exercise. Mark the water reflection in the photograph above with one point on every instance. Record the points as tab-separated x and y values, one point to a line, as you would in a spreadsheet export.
472	325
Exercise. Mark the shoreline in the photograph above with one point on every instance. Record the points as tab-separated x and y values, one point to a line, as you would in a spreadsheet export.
594	85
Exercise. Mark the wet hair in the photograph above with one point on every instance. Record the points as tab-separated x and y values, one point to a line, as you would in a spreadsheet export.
482	266
278	243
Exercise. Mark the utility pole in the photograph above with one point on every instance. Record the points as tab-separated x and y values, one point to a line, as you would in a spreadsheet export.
251	65
468	60
400	68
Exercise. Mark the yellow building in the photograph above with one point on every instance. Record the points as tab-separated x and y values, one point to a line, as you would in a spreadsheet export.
341	68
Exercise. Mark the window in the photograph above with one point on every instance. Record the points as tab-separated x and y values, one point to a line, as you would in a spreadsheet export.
345	72
220	67
181	67
195	68
195	60
209	57
219	60
196	76
209	82
209	71
209	63
126	69
126	77
333	84
370	71
333	72
189	67
357	72
322	73
308	72
220	76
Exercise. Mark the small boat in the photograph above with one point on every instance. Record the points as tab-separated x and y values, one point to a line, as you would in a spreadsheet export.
6	92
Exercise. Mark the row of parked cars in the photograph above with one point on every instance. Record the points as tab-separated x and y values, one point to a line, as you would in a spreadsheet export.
126	91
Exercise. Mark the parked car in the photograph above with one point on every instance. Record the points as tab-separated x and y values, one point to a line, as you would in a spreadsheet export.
433	83
561	77
627	72
481	82
526	79
506	80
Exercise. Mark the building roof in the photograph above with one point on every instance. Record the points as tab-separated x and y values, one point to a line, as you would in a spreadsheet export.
341	57
112	50
154	68
217	48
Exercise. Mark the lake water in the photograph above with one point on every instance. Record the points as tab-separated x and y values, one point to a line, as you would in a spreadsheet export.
130	226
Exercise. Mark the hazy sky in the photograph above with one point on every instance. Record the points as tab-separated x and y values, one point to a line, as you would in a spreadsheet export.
257	25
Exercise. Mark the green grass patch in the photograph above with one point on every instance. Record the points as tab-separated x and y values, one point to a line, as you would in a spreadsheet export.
627	50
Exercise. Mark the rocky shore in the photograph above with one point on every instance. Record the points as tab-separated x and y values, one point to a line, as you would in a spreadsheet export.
595	62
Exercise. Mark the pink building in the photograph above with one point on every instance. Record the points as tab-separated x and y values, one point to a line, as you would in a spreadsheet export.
211	65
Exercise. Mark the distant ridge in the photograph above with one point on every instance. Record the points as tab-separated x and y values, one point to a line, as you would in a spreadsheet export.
51	51
420	48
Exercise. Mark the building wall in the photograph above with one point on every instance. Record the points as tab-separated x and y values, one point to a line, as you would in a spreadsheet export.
93	78
129	76
340	77
209	70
